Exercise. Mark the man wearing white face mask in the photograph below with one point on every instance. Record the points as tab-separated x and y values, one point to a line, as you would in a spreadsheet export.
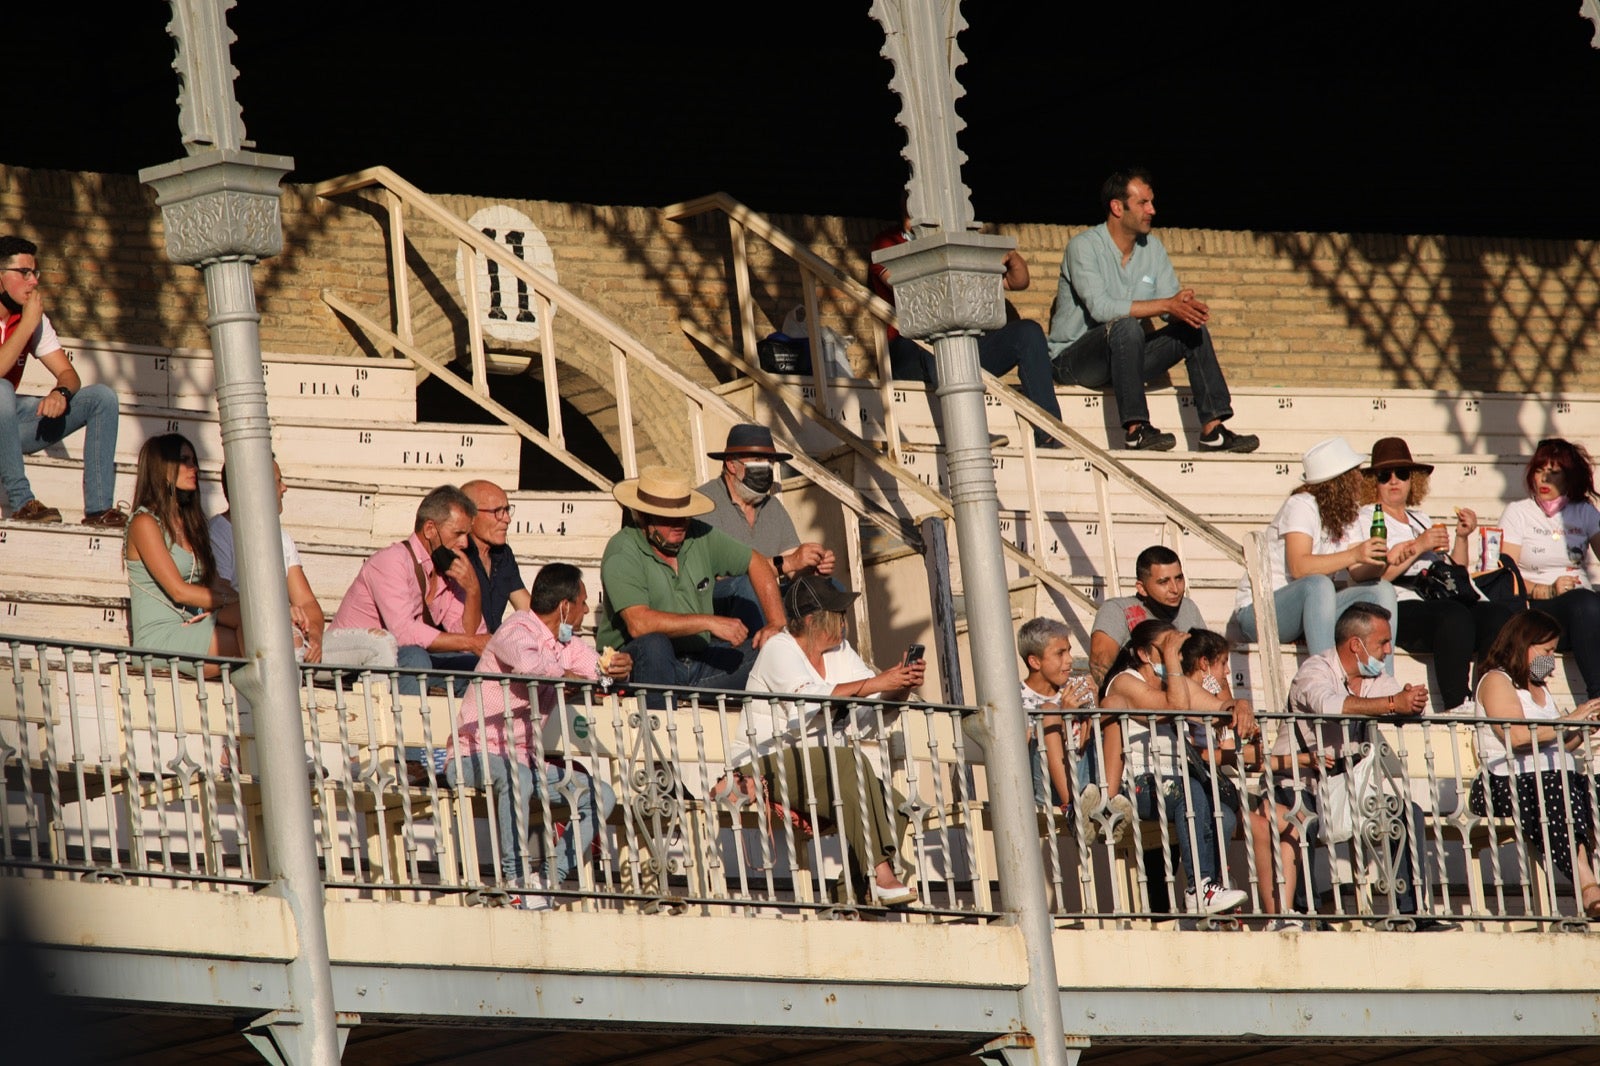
749	511
492	728
1349	680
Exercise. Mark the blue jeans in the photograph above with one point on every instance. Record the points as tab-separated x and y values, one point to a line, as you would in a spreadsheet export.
1121	354
1200	848
735	597
655	662
23	432
416	657
594	803
1018	344
1311	606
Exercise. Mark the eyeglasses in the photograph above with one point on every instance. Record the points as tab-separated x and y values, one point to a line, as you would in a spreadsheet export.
502	512
27	272
1397	474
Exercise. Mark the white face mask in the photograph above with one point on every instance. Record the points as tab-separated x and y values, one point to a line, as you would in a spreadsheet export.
564	629
1210	683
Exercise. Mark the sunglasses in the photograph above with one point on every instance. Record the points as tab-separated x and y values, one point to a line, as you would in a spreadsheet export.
1402	473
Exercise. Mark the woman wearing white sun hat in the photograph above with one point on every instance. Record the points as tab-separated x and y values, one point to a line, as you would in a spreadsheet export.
1313	539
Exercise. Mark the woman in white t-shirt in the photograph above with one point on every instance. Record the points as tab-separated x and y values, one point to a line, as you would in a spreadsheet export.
1452	630
806	752
1547	535
1313	540
1529	773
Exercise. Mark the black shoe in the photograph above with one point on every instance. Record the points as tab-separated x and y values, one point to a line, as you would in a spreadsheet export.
1223	439
1433	925
1147	438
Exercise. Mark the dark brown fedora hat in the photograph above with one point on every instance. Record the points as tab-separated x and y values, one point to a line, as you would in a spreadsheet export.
1392	452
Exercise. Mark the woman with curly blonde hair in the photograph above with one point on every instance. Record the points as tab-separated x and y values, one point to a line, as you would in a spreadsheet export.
1313	539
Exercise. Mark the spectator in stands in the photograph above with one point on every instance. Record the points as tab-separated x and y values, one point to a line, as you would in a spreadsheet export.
493	561
1159	592
313	641
31	423
1453	631
1019	344
176	601
423	590
1349	679
496	722
1230	749
1067	776
658	572
1534	761
791	751
1146	681
1547	535
1312	540
747	508
1120	319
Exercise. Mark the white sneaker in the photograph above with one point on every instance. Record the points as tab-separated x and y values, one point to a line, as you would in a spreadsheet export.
1213	898
1286	925
1121	817
1086	807
531	897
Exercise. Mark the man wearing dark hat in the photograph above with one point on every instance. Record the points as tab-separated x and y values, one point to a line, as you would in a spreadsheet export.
747	508
659	573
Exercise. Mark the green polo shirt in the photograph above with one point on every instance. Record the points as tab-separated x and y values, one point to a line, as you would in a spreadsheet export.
631	573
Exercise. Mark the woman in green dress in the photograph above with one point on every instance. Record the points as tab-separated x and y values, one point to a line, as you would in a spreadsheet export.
176	602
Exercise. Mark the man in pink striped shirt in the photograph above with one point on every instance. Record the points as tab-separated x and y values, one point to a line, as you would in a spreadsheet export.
495	724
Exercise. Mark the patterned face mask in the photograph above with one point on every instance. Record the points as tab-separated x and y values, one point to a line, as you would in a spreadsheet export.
1541	667
1210	683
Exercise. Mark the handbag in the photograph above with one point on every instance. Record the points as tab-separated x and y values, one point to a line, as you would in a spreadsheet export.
1445	580
1359	799
1504	585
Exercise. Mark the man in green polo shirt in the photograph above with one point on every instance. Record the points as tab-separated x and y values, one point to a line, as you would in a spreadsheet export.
659	574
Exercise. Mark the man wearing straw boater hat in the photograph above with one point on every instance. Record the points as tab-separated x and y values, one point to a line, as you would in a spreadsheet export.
747	508
659	572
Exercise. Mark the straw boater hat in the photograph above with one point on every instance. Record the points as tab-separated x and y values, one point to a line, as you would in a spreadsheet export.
747	441
1392	452
661	490
1327	459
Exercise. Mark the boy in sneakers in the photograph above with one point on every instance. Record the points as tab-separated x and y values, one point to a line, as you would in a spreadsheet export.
31	423
1120	319
1071	751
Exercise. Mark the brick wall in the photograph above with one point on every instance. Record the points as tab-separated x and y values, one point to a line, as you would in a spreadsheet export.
1436	312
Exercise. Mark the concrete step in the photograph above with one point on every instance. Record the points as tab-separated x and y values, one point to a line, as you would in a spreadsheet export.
406	453
1288	419
298	386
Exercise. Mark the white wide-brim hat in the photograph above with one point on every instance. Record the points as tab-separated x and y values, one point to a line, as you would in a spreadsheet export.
1327	459
661	490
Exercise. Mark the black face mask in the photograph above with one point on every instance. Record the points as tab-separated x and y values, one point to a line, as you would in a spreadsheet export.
758	478
11	305
1160	611
187	496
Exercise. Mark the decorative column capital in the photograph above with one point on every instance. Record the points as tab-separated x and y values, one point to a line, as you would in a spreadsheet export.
948	284
221	203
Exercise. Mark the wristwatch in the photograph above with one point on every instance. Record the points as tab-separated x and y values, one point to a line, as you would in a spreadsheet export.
777	561
66	393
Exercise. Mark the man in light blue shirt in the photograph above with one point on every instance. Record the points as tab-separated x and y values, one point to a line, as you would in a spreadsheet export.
1121	319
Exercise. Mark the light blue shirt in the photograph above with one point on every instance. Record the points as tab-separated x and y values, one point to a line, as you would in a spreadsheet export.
1096	288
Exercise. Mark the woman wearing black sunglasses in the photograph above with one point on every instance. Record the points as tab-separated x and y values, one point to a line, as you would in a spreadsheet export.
1452	630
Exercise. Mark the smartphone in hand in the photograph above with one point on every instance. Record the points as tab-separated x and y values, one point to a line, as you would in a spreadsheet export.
914	654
